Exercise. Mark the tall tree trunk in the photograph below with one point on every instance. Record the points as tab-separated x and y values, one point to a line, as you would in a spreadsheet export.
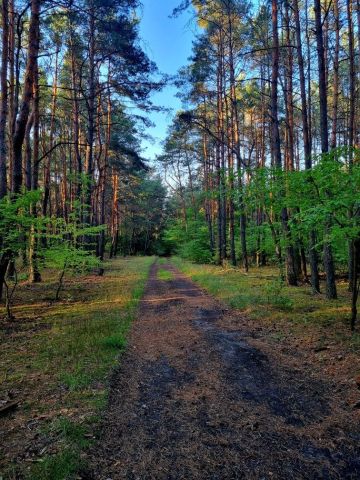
313	258
324	135
336	76
28	164
33	49
48	160
91	116
34	272
4	97
101	248
75	113
218	163
275	131
19	135
351	125
355	283
5	257
275	143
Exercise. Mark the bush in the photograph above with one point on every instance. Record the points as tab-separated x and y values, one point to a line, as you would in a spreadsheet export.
190	241
275	296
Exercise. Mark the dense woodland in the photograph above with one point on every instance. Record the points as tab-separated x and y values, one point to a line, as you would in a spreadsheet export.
261	166
263	162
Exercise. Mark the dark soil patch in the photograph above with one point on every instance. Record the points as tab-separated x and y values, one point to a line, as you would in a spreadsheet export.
200	396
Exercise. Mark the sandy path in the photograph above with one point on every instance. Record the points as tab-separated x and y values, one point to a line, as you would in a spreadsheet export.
198	397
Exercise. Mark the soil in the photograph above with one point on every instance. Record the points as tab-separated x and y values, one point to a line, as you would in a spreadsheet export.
202	394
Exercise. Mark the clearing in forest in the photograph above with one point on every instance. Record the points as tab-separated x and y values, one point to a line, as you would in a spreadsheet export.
201	395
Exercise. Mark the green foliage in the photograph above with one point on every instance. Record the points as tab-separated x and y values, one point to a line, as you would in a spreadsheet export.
328	194
190	239
16	223
64	250
330	190
73	259
275	296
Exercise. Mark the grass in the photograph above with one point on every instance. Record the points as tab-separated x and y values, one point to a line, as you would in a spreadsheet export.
58	358
263	297
72	439
164	275
162	261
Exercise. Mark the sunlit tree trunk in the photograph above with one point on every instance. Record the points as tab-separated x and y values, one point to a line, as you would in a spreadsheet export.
33	49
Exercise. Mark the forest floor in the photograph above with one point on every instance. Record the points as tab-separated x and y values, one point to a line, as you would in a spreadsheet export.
55	360
206	392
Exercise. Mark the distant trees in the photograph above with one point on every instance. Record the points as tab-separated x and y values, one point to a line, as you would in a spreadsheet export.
273	91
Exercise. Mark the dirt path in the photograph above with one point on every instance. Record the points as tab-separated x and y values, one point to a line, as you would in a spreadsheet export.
198	396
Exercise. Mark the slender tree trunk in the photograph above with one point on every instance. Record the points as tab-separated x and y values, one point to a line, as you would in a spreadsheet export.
313	258
322	78
28	153
336	76
328	256
91	116
275	143
34	272
4	97
351	126
355	283
275	131
219	181
48	160
104	177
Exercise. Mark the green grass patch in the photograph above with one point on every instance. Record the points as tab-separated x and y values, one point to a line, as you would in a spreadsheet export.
61	466
70	354
164	275
263	296
162	261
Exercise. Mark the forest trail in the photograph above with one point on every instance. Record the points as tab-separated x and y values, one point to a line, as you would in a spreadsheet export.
200	396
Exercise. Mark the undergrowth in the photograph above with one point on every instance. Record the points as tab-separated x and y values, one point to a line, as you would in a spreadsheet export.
70	351
264	297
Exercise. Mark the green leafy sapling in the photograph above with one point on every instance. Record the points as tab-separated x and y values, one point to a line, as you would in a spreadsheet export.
65	251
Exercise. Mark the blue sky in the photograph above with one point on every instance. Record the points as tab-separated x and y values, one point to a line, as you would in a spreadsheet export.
167	41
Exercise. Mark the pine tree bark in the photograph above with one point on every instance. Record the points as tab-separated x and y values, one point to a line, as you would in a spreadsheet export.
324	135
5	257
351	125
322	78
19	135
313	257
4	97
48	160
291	276
91	117
335	105
34	272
